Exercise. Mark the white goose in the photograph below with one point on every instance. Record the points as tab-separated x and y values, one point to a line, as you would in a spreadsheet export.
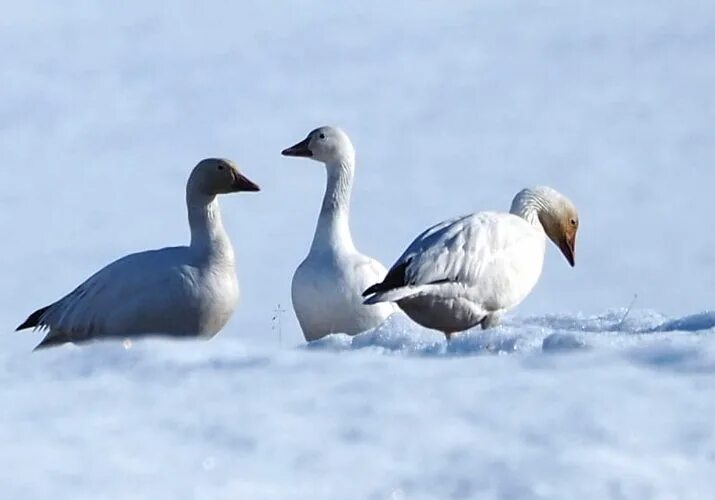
466	271
327	286
188	291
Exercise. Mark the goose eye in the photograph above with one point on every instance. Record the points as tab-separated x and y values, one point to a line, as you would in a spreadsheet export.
220	167
322	136
573	222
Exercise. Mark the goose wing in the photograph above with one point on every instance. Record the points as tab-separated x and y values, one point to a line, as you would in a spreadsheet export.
485	252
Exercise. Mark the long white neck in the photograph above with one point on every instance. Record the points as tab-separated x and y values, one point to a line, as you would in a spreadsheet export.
208	237
333	229
527	204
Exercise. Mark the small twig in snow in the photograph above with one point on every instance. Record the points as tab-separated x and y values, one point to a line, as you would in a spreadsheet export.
628	310
277	323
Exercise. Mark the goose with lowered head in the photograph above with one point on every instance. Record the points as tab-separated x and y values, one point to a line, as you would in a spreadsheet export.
187	291
469	270
327	286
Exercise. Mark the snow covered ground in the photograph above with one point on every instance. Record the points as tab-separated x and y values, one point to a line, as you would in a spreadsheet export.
549	407
104	109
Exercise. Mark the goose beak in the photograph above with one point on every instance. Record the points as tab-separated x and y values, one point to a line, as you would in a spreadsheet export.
300	149
243	183
568	248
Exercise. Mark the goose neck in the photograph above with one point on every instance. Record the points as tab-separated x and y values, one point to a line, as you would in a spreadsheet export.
208	236
529	205
333	228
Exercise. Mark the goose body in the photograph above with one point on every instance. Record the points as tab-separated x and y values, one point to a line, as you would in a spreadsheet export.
188	291
326	294
327	286
469	270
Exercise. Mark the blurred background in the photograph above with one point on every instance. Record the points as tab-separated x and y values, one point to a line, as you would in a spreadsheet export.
104	110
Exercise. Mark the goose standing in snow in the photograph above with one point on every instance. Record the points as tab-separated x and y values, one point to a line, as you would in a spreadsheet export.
188	291
467	271
327	286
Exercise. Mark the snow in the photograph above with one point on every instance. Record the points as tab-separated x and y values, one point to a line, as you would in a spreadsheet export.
452	109
394	413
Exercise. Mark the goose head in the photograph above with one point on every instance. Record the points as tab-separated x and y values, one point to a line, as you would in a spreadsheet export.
559	218
214	176
325	144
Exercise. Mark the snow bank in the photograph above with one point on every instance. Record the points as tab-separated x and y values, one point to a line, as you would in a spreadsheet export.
546	407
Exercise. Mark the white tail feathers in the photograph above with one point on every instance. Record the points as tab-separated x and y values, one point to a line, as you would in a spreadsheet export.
394	295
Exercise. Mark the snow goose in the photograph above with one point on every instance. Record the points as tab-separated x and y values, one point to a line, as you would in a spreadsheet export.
466	271
188	291
327	285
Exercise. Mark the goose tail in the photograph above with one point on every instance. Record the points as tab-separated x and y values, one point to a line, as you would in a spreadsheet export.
34	320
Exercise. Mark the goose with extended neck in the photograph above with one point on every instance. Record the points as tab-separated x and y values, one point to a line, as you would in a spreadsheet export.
188	291
326	288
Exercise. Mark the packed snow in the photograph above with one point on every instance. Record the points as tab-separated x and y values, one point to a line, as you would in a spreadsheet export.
548	407
599	386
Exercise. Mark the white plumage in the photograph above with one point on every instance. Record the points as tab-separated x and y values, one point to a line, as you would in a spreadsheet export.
469	270
327	285
178	291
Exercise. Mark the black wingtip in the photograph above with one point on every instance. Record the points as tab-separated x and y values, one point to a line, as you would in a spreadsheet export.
33	319
372	289
395	278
